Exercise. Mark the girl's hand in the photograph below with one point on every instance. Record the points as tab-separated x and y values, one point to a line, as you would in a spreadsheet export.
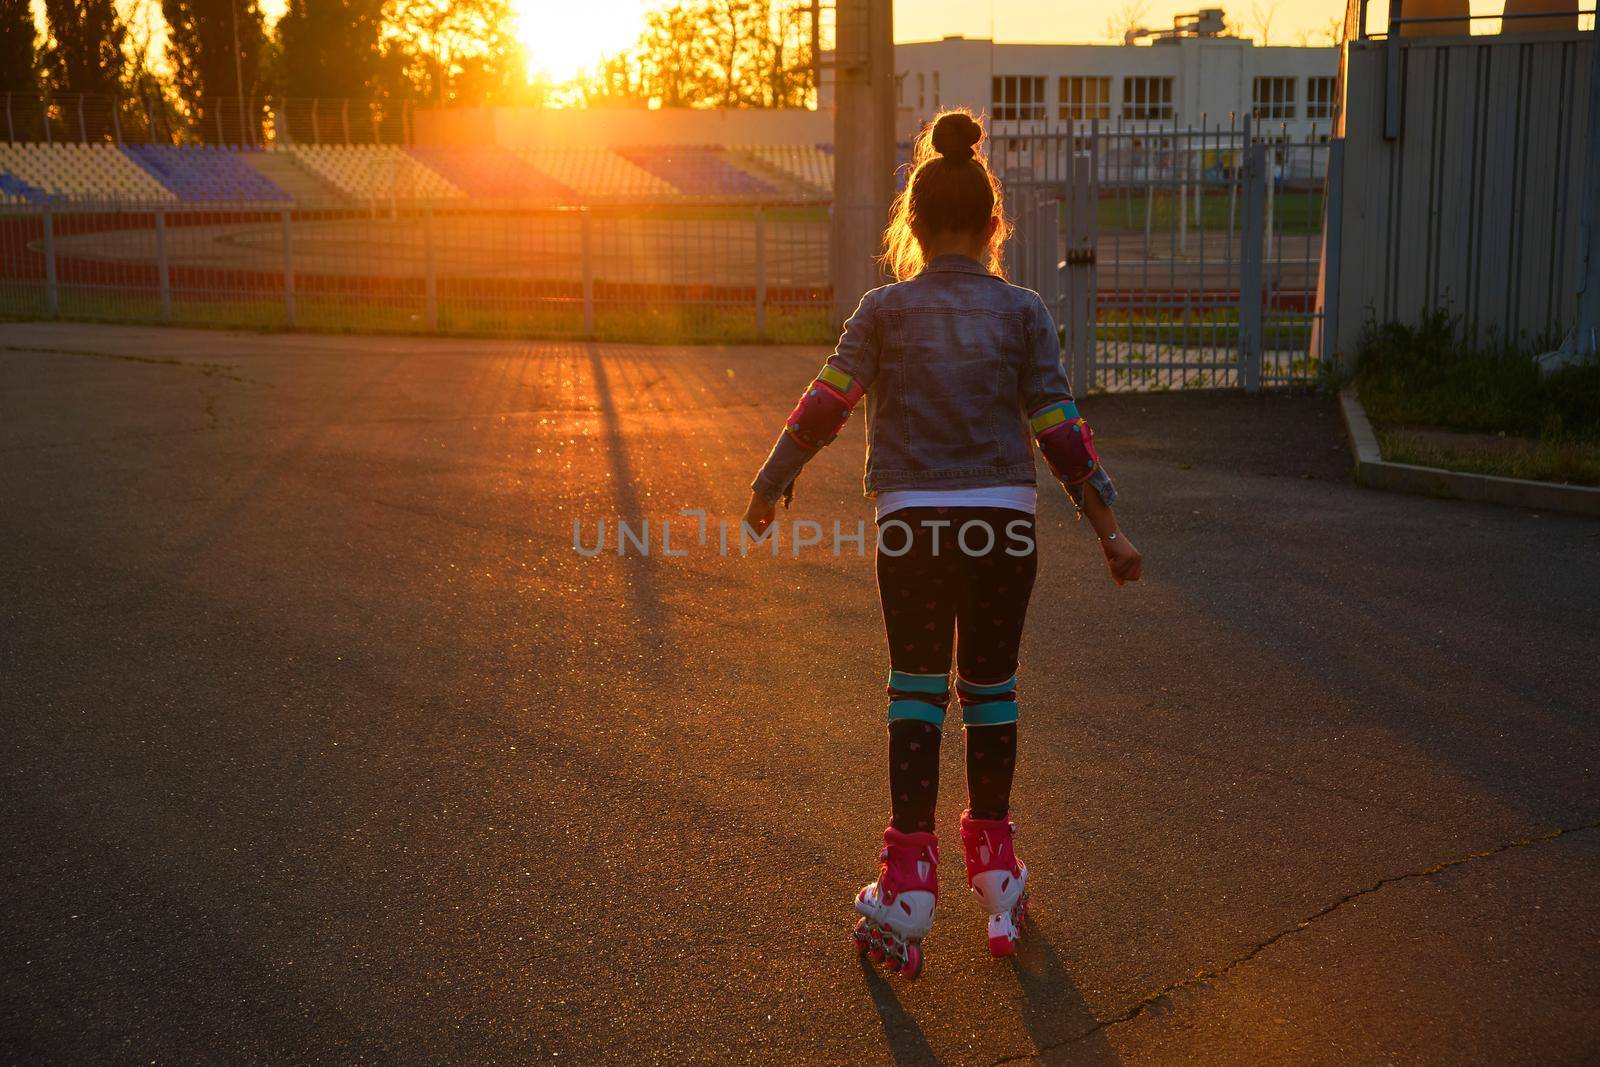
759	515
1122	559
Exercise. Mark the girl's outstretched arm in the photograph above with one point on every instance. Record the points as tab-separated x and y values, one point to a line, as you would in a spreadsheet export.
820	414
1068	445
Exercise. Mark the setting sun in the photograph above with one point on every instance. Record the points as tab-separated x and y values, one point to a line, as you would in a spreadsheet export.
563	37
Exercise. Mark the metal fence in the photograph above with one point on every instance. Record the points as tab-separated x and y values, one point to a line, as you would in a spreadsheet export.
706	272
1171	258
248	122
1174	258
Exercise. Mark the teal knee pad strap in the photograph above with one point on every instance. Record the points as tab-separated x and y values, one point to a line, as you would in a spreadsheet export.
918	696
989	704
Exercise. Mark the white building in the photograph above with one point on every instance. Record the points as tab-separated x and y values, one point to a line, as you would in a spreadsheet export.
1177	82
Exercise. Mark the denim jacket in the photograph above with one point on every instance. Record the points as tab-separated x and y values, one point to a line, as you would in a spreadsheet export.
953	361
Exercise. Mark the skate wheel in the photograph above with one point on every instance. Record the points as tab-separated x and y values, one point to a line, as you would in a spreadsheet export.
861	941
876	953
913	964
1001	947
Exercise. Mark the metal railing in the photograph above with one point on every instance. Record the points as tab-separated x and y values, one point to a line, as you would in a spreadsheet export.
249	122
1394	38
704	272
1174	258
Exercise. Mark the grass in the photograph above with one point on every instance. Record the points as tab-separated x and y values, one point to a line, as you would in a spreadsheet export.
1215	327
553	320
1292	212
1439	398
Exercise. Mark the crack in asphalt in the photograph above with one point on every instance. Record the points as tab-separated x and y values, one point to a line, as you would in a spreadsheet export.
1204	977
210	370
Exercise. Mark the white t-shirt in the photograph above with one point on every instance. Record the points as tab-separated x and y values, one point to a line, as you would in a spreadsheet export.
1024	498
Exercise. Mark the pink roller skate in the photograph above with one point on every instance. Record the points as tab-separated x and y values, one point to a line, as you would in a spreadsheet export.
897	909
997	877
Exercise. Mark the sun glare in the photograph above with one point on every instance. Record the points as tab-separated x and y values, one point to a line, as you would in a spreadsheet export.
563	37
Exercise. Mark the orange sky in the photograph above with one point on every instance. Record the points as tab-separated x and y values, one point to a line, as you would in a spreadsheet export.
563	37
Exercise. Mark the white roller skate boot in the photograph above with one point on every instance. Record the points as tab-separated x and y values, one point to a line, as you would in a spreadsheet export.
897	909
998	879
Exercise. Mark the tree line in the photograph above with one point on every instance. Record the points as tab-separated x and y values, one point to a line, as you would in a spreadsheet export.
690	53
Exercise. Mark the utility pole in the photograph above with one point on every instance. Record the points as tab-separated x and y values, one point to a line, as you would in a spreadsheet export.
863	146
816	49
238	68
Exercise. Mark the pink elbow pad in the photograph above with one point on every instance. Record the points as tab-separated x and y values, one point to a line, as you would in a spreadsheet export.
1066	441
823	409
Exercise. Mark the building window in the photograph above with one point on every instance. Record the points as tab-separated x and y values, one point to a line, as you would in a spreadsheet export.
1085	98
1319	98
1147	98
922	93
936	90
1018	98
1273	98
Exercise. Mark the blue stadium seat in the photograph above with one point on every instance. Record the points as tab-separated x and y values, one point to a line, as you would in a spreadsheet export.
204	174
492	171
698	170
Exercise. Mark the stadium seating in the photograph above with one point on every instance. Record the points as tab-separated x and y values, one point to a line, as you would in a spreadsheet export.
492	171
326	174
285	169
13	190
595	173
809	167
33	172
204	174
696	170
374	172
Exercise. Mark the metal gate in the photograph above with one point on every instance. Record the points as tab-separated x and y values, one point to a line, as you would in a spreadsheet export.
1173	258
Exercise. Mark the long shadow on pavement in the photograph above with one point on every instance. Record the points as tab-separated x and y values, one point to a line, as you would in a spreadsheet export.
905	1039
1053	1011
647	598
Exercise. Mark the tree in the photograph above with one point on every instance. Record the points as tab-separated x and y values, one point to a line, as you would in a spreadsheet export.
713	53
18	38
455	51
1262	14
200	48
330	48
84	52
149	111
1129	17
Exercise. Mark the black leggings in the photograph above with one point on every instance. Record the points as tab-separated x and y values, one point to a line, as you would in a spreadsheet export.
954	586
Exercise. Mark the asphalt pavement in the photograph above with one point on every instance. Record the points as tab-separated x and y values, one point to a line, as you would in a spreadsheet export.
322	742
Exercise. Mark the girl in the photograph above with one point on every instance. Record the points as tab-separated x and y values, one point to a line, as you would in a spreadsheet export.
958	368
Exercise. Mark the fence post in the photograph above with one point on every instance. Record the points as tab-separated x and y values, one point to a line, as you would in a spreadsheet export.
163	275
52	298
1079	267
430	284
1326	349
761	274
586	228
288	268
1391	73
1251	240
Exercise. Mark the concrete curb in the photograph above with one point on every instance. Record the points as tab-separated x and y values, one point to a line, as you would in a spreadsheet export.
1375	471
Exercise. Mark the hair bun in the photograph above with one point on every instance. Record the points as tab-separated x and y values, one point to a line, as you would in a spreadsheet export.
956	134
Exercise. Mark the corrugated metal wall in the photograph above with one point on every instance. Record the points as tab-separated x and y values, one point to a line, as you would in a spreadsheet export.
1476	205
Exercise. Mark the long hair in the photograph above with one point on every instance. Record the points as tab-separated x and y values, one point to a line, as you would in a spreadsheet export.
951	190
